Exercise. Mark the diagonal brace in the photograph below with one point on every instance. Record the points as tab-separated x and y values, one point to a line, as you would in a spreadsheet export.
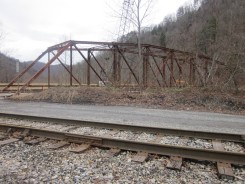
86	60
67	69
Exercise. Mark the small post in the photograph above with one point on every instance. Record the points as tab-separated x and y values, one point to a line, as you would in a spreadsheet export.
88	67
71	65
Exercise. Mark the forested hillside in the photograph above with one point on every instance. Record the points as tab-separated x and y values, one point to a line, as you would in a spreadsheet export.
215	28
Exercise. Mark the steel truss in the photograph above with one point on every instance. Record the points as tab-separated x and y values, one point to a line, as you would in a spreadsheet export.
163	67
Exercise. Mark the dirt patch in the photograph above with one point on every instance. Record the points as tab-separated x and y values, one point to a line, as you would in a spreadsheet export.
174	98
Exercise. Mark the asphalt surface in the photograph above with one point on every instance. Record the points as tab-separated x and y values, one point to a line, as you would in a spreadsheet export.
202	121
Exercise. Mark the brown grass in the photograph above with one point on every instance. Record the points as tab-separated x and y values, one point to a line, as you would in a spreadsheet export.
174	98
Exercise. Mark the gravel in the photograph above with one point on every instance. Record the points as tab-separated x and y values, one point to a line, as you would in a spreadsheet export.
200	143
231	146
21	163
146	137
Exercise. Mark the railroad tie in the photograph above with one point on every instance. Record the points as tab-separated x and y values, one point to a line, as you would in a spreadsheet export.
22	135
113	152
8	141
81	148
141	156
3	135
58	145
224	168
175	163
35	141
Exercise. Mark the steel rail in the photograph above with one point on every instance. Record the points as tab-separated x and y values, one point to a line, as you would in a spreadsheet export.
161	149
167	131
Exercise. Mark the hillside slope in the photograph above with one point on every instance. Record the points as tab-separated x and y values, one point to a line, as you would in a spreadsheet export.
215	28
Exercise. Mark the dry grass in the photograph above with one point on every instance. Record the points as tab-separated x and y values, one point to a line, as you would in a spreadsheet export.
174	98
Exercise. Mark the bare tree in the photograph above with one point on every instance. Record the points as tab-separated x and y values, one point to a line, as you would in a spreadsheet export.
138	12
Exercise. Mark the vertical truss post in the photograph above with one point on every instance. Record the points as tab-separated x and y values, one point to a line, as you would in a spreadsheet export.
48	70
164	71
171	70
71	65
145	67
115	66
88	67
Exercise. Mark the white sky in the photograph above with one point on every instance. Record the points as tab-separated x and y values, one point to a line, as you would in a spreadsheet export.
31	26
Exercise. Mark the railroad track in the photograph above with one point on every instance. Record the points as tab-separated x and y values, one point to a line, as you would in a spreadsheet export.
223	158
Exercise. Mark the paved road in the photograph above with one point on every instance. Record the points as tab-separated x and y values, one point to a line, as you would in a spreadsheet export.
213	122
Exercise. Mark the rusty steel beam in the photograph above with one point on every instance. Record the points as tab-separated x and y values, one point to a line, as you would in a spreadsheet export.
44	67
96	60
163	77
24	71
102	69
180	70
124	49
155	75
131	70
164	72
164	62
85	59
171	73
135	45
58	46
132	45
179	67
67	69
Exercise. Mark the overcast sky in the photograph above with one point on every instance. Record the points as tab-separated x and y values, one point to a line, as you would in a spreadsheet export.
30	26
